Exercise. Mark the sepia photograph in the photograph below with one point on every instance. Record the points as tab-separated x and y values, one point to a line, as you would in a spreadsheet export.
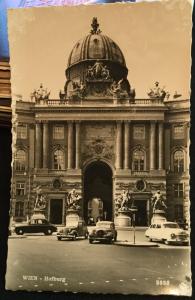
100	153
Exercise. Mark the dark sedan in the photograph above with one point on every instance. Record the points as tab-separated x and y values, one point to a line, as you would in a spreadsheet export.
36	226
104	231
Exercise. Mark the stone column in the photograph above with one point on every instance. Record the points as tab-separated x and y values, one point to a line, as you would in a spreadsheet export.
78	146
118	145
126	145
38	147
167	154
152	145
187	167
160	146
45	144
70	144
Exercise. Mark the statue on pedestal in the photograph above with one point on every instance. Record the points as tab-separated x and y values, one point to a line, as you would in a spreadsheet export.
73	200
158	202
123	201
158	208
123	211
40	202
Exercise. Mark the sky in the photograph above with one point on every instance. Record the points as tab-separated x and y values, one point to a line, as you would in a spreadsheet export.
155	39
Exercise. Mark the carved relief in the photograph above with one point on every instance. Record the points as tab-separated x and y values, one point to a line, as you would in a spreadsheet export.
157	186
98	148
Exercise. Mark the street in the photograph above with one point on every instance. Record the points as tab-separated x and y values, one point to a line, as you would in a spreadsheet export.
38	262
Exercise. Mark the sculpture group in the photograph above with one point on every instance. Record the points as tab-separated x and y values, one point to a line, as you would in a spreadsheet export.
98	72
73	200
40	94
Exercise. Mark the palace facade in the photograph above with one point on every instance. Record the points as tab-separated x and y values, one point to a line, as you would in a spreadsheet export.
99	139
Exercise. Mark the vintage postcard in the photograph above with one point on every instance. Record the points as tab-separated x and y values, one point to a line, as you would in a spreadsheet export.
100	173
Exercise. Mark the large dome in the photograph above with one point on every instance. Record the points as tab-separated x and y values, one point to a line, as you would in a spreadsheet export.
95	47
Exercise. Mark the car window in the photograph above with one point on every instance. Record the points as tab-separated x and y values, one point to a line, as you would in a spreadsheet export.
104	224
158	226
39	222
171	225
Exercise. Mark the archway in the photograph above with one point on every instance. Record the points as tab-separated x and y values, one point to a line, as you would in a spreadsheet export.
98	186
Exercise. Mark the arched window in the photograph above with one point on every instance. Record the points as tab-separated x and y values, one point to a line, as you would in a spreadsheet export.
20	160
58	159
178	161
138	160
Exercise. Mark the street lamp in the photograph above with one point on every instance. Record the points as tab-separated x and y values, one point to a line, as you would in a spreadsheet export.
133	210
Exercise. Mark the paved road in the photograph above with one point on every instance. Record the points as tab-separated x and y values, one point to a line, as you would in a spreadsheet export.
78	266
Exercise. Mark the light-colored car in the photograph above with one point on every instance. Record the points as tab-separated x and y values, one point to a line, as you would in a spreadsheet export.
73	230
167	232
104	231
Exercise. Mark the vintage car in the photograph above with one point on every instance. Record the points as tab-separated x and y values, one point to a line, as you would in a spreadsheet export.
36	225
73	230
167	232
104	231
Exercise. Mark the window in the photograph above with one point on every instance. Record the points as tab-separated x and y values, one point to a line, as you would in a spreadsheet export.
178	161
139	132
138	160
59	160
19	209
20	189
20	160
58	132
178	190
178	132
22	132
178	212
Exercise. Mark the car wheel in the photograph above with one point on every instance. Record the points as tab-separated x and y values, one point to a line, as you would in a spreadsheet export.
48	232
74	237
20	232
59	238
90	241
115	238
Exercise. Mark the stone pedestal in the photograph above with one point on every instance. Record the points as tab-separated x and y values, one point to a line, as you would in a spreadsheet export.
38	214
72	216
123	219
158	216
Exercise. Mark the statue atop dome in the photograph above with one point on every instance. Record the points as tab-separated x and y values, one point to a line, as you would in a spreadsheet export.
95	26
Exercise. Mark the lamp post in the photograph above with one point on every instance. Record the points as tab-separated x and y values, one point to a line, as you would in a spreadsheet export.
134	210
29	191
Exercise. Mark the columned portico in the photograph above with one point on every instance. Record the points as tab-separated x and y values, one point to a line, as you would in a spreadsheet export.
119	145
38	133
152	145
70	144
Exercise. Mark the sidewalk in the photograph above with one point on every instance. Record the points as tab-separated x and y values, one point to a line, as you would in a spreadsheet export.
125	237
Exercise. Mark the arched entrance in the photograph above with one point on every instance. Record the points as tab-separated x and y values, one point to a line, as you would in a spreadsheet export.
97	187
